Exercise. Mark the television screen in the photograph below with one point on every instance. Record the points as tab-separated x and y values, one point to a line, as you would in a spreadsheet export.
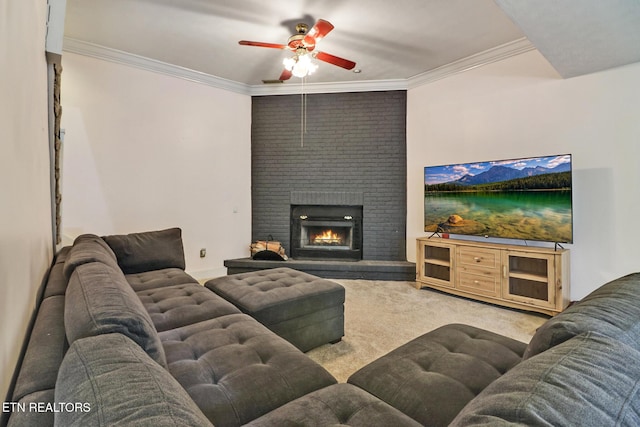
528	199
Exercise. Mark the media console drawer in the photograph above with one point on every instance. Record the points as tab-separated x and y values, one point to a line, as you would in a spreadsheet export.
479	283
470	257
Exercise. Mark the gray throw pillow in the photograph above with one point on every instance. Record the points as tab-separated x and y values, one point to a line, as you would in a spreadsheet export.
108	380
100	301
151	250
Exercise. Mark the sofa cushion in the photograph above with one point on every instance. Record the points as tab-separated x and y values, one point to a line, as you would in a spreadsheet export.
47	345
236	370
109	381
589	380
100	301
336	405
56	280
34	418
612	310
88	248
432	377
158	279
181	305
150	250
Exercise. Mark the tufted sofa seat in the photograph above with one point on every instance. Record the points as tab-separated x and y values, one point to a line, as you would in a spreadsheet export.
235	370
336	405
180	305
446	367
158	279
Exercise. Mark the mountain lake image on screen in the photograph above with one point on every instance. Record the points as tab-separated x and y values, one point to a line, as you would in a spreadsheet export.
527	198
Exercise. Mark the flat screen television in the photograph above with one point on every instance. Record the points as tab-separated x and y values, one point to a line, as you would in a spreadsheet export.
528	199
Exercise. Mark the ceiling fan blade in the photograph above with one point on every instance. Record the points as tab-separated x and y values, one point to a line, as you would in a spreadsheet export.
335	60
286	75
261	44
317	33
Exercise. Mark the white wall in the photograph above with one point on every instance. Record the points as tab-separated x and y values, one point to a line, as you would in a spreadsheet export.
145	151
26	246
520	107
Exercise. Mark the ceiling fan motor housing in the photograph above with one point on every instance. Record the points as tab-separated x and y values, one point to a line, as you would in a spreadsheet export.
297	40
302	28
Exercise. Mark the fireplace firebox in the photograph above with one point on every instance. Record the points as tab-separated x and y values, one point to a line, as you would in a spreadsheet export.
326	232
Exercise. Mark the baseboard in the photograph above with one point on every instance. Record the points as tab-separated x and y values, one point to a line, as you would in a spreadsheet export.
208	274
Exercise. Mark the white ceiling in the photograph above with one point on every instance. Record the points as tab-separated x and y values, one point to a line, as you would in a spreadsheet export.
389	40
580	36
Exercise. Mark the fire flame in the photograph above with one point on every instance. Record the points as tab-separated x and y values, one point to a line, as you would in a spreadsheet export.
327	237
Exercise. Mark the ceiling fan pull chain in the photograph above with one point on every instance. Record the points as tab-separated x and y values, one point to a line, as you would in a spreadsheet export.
303	114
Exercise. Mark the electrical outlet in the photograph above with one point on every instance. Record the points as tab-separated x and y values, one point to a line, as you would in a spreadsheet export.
203	253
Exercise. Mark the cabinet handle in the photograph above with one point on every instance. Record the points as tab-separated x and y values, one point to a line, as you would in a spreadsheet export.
477	258
504	271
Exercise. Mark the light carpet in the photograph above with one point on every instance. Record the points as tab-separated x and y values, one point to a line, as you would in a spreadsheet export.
382	315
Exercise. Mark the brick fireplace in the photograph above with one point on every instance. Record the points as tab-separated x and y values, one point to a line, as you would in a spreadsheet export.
353	153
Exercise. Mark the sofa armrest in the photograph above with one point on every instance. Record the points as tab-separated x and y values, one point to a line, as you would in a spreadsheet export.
589	380
110	380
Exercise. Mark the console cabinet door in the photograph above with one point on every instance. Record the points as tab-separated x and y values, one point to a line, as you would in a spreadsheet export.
435	263
529	277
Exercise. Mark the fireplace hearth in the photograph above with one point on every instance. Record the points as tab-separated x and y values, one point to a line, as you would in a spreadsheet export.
326	232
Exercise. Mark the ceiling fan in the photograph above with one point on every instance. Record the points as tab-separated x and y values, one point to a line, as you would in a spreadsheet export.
303	44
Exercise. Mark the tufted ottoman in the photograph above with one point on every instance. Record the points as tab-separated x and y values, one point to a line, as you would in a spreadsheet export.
306	310
432	377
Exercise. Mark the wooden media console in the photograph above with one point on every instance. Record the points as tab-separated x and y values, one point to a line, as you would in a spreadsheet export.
524	277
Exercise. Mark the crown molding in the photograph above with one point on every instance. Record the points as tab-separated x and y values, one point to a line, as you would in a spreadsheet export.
333	87
113	55
488	56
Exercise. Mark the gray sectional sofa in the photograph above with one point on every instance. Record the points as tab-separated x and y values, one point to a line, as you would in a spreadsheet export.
123	336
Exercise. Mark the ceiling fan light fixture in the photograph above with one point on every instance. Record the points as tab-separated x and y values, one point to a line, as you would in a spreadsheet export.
300	65
289	63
